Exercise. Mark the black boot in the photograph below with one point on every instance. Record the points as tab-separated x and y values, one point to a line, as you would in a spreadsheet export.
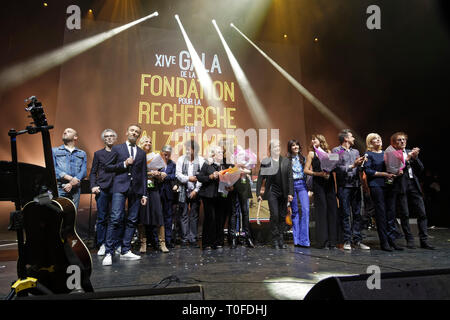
395	246
426	245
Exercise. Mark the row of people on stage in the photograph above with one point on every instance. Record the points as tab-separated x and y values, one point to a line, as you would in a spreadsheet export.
120	176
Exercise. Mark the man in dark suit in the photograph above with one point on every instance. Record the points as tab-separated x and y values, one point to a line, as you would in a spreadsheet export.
167	194
279	189
129	163
101	183
405	192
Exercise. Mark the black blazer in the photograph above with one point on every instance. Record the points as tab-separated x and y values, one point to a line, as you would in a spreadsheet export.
401	182
123	182
210	187
286	177
98	176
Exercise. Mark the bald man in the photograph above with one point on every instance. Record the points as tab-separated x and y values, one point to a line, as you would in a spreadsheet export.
70	166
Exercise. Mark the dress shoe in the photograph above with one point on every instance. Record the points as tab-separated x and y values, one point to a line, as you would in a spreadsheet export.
387	248
183	244
206	248
425	245
410	245
233	243
250	243
170	245
194	244
396	246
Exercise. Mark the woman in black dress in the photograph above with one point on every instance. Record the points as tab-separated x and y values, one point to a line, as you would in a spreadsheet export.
151	215
325	204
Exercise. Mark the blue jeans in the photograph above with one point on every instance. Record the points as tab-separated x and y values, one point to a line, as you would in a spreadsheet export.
103	203
300	225
118	219
73	195
350	202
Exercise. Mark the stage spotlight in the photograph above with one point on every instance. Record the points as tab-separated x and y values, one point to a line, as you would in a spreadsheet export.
316	39
255	106
22	72
90	10
202	74
311	98
285	36
45	4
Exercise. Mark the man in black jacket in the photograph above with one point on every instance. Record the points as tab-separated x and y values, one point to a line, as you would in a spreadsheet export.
406	192
101	183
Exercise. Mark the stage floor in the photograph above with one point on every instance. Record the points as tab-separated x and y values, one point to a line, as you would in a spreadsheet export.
246	274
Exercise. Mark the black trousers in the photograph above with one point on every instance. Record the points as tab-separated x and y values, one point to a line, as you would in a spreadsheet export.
278	210
413	199
223	210
212	223
238	198
384	219
325	213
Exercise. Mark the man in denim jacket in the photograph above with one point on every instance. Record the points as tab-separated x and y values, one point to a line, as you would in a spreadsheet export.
70	166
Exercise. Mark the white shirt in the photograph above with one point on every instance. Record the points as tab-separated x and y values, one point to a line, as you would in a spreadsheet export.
405	155
131	147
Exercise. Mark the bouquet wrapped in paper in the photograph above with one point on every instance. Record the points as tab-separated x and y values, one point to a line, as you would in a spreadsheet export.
393	159
229	176
328	161
245	158
155	161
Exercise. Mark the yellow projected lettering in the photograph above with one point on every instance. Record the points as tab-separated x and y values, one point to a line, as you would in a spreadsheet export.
185	115
178	87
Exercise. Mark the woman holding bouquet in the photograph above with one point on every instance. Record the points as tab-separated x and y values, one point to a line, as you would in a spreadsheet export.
276	171
151	215
375	170
300	226
325	205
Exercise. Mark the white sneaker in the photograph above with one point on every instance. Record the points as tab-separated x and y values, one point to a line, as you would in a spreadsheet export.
102	250
347	246
107	260
130	256
118	250
362	246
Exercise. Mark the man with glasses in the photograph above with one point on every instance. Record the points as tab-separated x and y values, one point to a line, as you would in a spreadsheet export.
101	183
406	192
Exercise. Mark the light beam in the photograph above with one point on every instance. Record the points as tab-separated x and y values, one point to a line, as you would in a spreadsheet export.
256	108
22	72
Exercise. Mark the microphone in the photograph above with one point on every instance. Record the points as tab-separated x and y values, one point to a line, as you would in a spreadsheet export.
365	159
